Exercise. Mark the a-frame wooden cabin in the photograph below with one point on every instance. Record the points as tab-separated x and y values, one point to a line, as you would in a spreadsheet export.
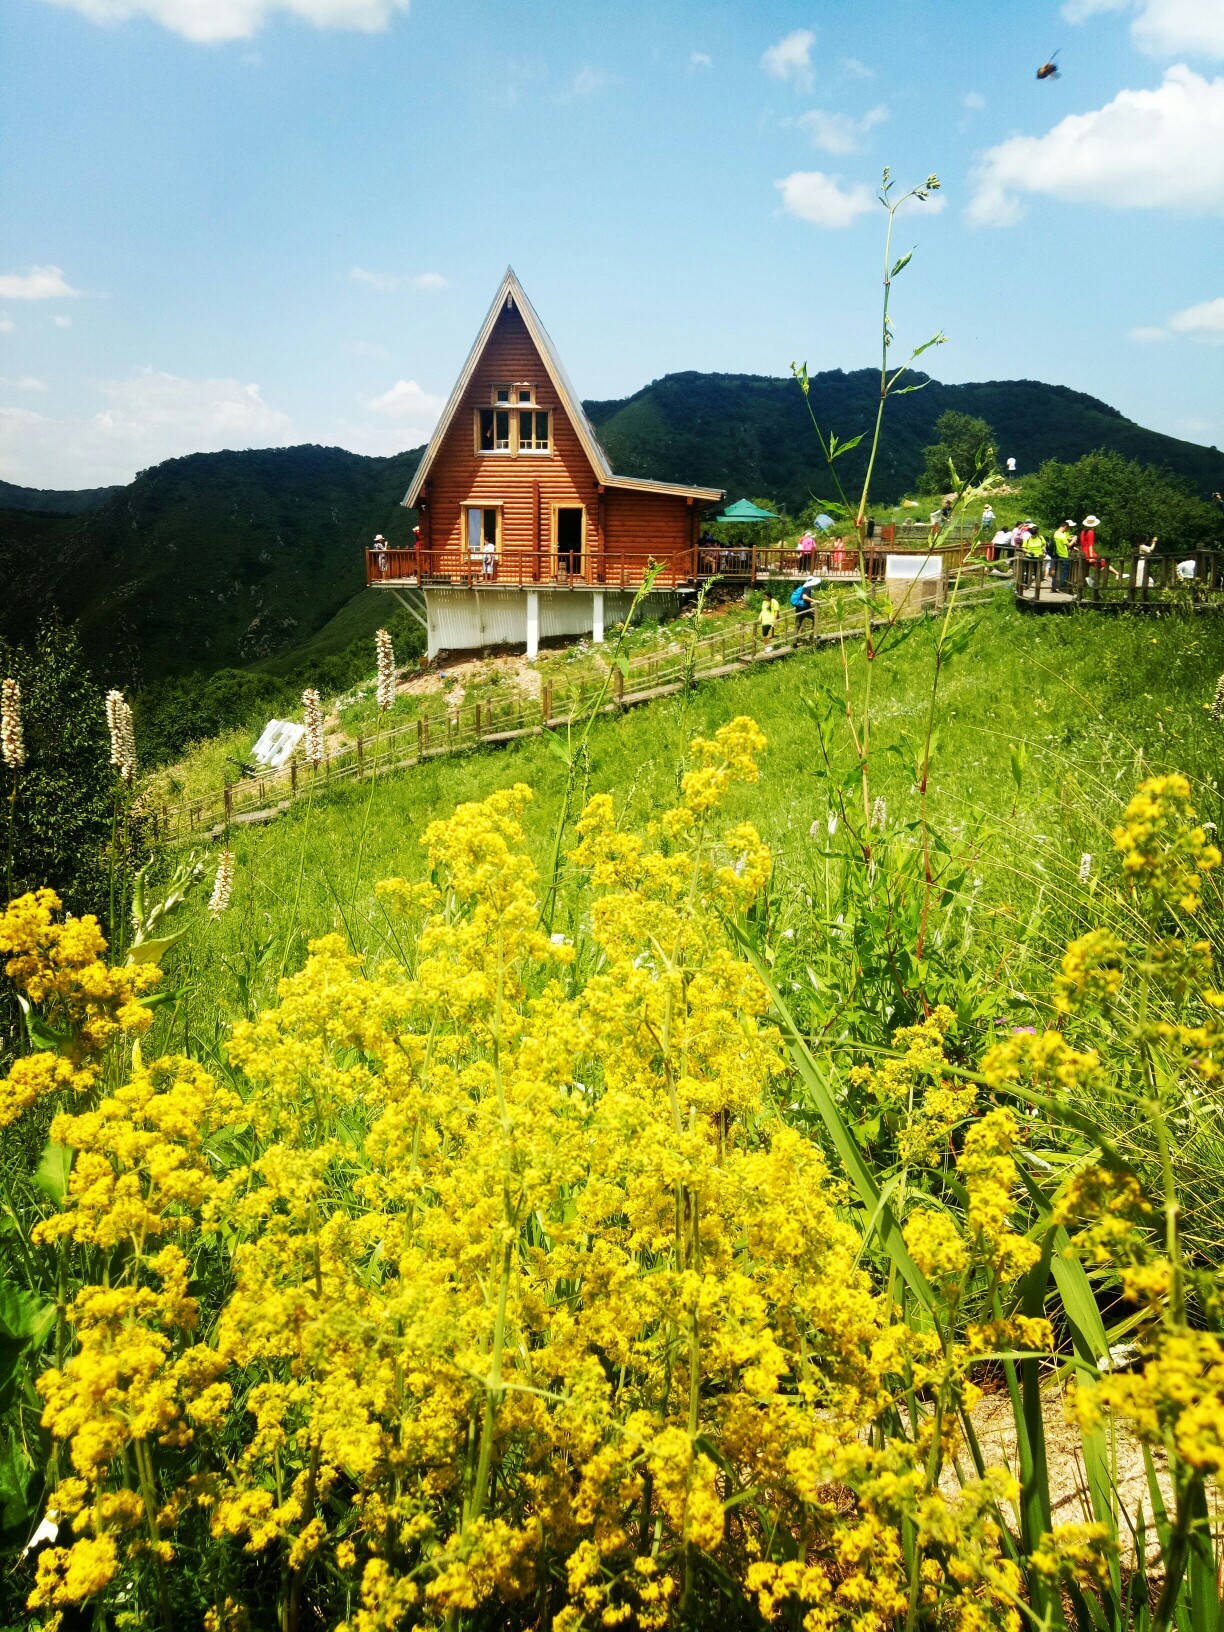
525	530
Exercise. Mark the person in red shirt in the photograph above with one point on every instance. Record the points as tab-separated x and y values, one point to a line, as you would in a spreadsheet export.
1087	544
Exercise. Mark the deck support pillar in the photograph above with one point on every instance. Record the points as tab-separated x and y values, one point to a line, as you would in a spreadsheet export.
597	617
533	625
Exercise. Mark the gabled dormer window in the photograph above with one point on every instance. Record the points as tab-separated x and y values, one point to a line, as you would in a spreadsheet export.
513	424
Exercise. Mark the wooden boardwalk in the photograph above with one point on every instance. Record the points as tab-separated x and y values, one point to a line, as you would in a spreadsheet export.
1134	581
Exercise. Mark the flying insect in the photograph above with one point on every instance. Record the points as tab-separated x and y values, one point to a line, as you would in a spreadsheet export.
1049	70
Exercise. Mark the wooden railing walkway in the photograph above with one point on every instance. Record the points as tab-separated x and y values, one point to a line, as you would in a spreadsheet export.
1119	581
485	723
627	569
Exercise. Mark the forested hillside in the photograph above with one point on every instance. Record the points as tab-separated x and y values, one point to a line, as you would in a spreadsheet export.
205	562
751	434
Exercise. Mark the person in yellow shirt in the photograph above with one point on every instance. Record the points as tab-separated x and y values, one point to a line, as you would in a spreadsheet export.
768	616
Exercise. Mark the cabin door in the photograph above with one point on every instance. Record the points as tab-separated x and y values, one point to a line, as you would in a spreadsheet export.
569	529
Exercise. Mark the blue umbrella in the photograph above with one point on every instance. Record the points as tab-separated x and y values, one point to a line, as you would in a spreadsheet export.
824	522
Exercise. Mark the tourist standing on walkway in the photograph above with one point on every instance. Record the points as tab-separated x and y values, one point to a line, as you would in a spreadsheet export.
1088	549
1064	536
1034	548
488	558
768	616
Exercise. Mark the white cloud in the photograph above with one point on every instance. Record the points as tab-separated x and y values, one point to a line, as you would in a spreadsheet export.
1164	28
1204	322
700	59
208	21
791	58
27	382
854	69
586	82
1147	335
145	418
406	400
407	414
39	283
6	323
388	282
840	132
815	197
974	101
1158	149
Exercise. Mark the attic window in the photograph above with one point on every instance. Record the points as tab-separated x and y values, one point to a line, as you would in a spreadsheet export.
502	393
532	432
493	430
513	431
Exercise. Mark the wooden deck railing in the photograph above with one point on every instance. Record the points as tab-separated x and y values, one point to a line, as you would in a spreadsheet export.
531	569
626	569
1122	579
454	729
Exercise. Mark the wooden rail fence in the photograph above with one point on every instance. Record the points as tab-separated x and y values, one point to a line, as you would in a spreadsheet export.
488	722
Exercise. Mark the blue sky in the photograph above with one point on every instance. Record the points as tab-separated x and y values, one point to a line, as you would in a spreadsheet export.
250	222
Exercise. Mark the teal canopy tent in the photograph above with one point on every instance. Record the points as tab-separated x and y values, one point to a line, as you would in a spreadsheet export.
745	510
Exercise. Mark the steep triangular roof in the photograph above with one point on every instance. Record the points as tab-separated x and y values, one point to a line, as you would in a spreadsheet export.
511	292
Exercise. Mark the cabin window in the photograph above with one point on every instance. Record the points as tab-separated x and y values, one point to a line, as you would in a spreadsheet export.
525	393
503	430
483	524
501	393
493	430
532	432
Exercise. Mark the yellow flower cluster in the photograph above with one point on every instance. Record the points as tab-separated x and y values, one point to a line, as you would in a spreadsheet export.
923	1105
58	966
1163	850
1091	974
490	1279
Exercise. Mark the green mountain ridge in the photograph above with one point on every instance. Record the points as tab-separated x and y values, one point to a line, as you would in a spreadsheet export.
751	434
244	559
210	561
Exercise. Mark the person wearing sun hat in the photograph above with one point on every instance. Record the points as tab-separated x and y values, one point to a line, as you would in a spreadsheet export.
1087	543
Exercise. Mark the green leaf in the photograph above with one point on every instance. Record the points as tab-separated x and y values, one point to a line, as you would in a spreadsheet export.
155	950
1018	755
902	264
54	1166
41	1034
24	1316
836	451
622	663
21	1493
558	745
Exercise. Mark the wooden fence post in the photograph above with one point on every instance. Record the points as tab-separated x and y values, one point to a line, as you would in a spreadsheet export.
229	805
360	759
618	683
546	702
420	736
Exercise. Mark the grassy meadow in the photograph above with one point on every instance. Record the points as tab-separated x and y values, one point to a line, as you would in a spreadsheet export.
1093	706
